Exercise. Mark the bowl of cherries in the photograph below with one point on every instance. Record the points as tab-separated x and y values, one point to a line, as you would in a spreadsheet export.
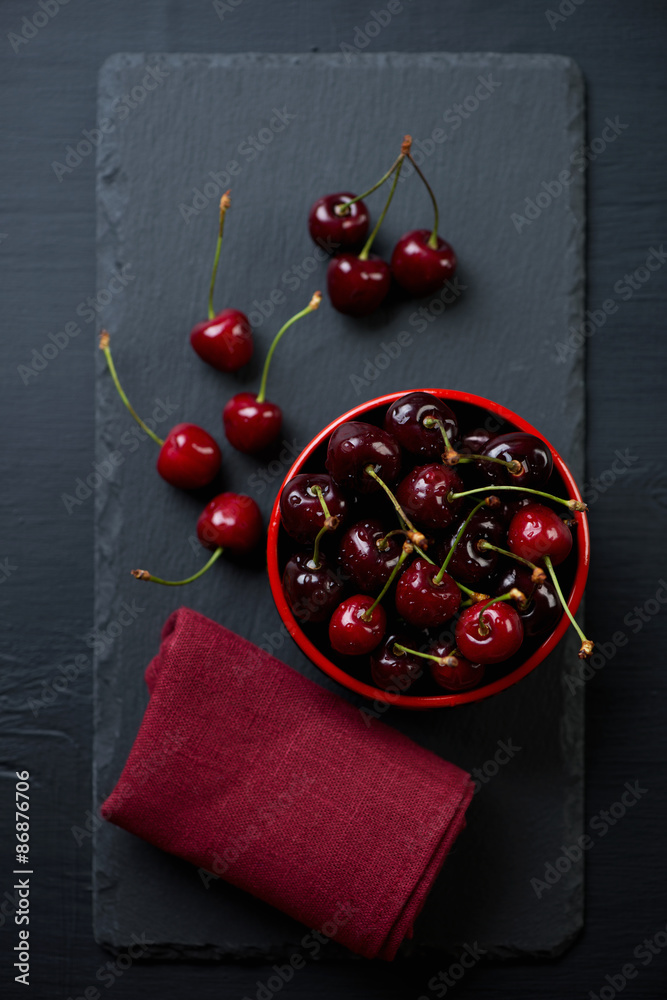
413	546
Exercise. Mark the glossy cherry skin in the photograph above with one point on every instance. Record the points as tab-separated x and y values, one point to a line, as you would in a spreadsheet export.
301	512
500	638
394	669
470	565
231	520
349	633
251	426
405	420
357	287
225	341
536	531
462	677
338	232
421	601
313	592
189	457
362	562
543	611
475	441
531	451
419	268
355	445
423	495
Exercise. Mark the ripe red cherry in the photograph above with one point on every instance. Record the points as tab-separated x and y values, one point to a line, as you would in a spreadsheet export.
420	268
301	511
543	609
405	420
312	591
350	633
333	231
251	426
498	637
189	457
225	341
423	495
353	446
533	454
368	567
393	668
422	601
468	564
357	287
231	521
459	674
536	531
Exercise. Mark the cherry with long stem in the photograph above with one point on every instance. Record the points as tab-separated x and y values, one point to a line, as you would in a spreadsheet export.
225	202
405	552
405	520
344	208
452	457
570	504
143	574
512	595
433	239
442	661
396	169
459	534
538	574
587	645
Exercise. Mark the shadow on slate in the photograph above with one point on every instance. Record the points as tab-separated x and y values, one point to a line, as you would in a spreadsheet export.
281	130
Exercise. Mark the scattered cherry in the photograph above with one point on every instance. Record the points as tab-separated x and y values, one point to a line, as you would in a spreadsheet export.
351	632
335	230
497	636
357	286
405	420
422	265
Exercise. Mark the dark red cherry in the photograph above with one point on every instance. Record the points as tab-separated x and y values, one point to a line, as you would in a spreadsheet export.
423	495
475	441
313	592
422	601
301	511
231	521
251	426
362	562
334	231
357	287
543	610
405	420
393	668
189	457
533	454
468	564
498	637
225	341
419	268
460	675
355	445
536	531
350	633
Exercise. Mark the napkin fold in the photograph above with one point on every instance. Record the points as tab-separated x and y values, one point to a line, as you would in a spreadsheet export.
252	772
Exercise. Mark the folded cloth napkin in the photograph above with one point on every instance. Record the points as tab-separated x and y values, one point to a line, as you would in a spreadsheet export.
255	773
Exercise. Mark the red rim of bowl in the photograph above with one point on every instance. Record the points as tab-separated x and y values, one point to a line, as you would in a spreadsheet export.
420	702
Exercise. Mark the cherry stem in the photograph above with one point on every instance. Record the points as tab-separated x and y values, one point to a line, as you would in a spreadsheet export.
330	524
407	549
586	644
442	661
512	595
570	504
311	307
451	455
514	466
225	202
423	555
415	537
539	576
142	574
344	207
474	594
370	471
317	490
456	541
104	346
433	238
369	242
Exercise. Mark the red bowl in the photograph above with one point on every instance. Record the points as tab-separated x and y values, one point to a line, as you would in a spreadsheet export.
420	702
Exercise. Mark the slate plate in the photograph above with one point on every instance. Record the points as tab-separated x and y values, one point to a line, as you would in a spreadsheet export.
494	131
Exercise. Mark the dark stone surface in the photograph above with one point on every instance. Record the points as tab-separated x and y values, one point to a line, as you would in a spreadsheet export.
522	292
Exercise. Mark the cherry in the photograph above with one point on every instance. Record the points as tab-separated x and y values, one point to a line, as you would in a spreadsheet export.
454	672
189	457
251	422
469	564
420	264
424	495
353	447
362	560
332	229
224	340
313	591
357	625
421	600
475	441
489	633
306	502
542	610
516	446
357	286
536	531
405	420
391	667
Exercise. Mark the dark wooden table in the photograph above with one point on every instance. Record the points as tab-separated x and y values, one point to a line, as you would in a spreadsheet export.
49	71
